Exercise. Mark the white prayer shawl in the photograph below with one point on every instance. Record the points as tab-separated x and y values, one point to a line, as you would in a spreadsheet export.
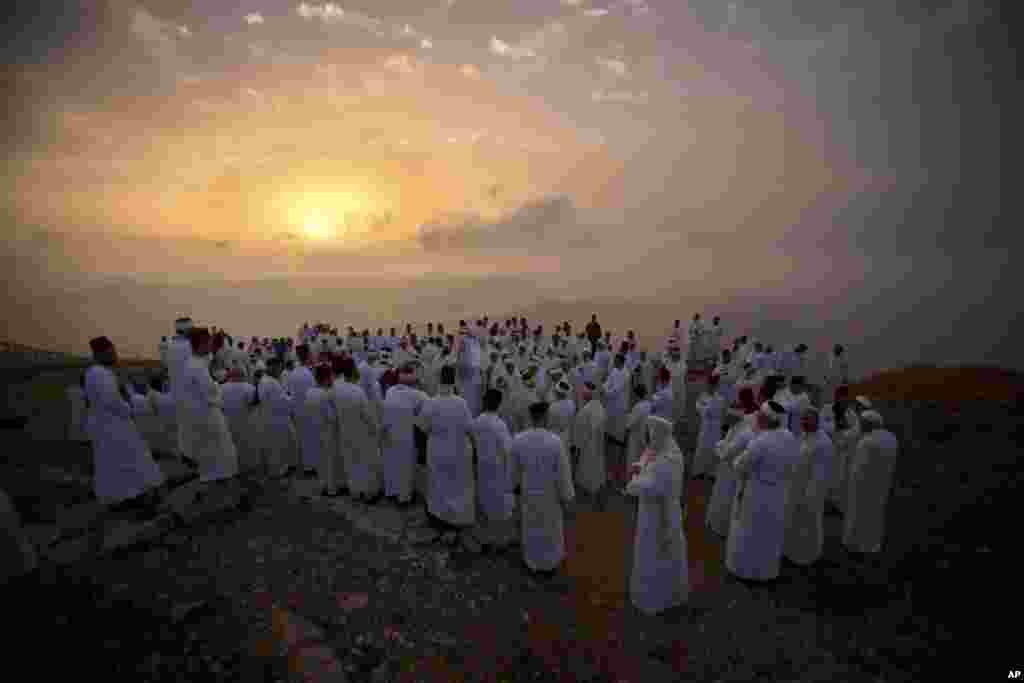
805	504
210	439
561	417
76	421
603	360
447	422
277	441
660	578
494	486
616	403
124	466
310	425
719	514
636	427
238	398
711	409
541	467
758	526
869	483
589	438
401	407
358	438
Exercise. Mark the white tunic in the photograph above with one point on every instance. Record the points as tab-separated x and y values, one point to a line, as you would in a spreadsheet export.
711	408
447	422
616	403
636	427
805	504
311	428
541	468
165	435
589	438
358	438
124	466
76	421
494	486
719	514
276	436
758	526
178	356
210	440
561	417
238	398
660	578
401	407
870	481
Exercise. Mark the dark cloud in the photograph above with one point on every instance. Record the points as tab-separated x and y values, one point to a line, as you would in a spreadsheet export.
549	221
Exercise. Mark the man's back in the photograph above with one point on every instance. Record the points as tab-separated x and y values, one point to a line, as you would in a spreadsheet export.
537	453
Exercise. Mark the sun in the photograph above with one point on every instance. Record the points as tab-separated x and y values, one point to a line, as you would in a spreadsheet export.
317	226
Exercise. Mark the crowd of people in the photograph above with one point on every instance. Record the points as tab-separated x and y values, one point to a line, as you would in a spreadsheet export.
499	427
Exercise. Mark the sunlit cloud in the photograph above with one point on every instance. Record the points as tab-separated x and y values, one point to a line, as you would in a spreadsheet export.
503	49
402	64
184	30
616	66
333	14
572	3
426	43
619	96
253	18
596	12
470	71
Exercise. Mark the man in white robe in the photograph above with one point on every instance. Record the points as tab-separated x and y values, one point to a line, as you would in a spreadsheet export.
178	355
124	467
76	418
358	437
723	494
238	397
472	379
805	503
660	578
541	472
602	359
869	484
451	488
210	441
278	442
636	426
165	420
711	409
400	410
495	497
562	414
799	401
758	527
695	334
300	380
663	403
616	404
589	441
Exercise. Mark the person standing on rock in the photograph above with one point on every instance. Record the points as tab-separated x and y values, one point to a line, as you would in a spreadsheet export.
124	466
494	484
589	440
636	426
210	440
178	355
870	481
448	424
541	471
300	381
278	443
719	512
660	578
358	436
758	526
402	405
238	397
805	503
711	409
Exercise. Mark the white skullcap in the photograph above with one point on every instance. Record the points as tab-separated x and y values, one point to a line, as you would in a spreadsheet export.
872	416
768	411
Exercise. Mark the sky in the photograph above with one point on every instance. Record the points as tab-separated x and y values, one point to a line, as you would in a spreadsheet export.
817	171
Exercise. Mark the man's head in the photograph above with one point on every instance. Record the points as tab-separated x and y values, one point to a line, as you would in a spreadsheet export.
798	385
346	367
842	394
861	404
201	341
696	317
302	352
726	355
163	339
274	367
588	391
289	365
837	349
182	326
678	323
809	420
640	392
492	400
664	376
539	414
620	361
593	318
156	382
716	320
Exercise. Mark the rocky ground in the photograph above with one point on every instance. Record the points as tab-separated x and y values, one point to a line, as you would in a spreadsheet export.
218	596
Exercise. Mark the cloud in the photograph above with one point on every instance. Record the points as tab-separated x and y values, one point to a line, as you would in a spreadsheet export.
619	96
549	221
572	3
184	31
191	80
503	49
596	12
470	71
331	13
426	43
616	66
253	18
158	37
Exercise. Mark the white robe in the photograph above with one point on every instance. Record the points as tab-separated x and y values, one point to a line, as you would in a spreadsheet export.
589	438
358	438
447	422
870	481
660	578
165	422
541	469
493	484
636	428
332	473
210	440
845	442
278	443
178	356
711	408
678	372
758	526
401	407
238	398
723	494
76	421
663	403
616	402
311	428
561	417
299	382
805	504
123	464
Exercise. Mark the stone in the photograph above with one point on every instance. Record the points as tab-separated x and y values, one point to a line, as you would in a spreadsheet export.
181	499
69	552
421	535
366	524
42	535
306	488
176	471
76	519
470	543
130	533
387	518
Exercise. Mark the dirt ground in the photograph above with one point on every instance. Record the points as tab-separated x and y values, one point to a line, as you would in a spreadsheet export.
195	605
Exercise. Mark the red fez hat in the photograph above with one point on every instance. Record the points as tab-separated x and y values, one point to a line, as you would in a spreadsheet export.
324	373
664	375
100	344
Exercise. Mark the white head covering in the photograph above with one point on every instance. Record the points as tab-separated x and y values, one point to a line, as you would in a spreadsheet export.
662	442
872	416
